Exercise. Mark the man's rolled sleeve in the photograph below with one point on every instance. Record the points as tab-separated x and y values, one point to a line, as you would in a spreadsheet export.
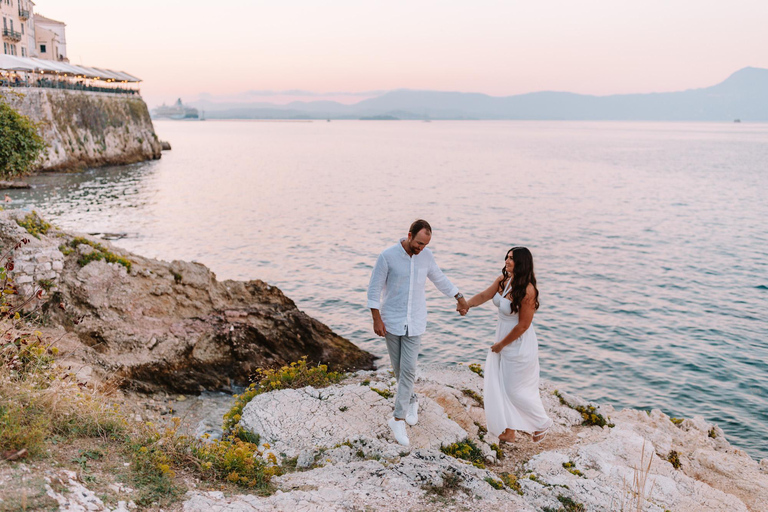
376	285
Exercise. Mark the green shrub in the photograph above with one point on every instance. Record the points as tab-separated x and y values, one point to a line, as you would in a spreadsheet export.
476	368
20	142
569	505
511	482
34	225
99	253
588	413
466	450
157	453
496	484
451	484
677	421
477	398
571	467
674	458
383	392
481	431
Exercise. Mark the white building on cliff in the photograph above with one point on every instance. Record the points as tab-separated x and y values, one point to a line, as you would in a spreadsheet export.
50	38
16	21
26	34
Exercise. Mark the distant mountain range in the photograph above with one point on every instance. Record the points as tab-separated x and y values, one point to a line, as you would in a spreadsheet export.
743	95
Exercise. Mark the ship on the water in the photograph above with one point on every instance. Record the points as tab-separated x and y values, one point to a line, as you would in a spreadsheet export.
176	111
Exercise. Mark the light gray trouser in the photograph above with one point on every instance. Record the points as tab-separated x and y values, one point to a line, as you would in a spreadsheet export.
403	353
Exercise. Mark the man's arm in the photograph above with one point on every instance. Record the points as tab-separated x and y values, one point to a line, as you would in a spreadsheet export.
378	324
448	289
375	287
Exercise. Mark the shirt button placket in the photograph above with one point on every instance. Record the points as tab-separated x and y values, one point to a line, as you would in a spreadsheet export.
410	293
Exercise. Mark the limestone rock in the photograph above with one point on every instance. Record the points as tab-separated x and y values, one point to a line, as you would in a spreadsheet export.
295	420
350	461
170	326
375	485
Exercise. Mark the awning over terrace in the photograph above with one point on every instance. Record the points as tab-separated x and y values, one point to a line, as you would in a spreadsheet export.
10	63
31	65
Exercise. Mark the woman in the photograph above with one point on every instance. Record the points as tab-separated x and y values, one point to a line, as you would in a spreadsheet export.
512	400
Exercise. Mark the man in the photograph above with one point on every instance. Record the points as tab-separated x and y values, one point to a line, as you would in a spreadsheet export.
401	272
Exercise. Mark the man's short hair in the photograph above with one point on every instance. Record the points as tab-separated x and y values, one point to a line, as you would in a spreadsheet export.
418	225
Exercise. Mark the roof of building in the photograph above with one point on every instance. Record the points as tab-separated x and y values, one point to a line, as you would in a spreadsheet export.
40	17
43	34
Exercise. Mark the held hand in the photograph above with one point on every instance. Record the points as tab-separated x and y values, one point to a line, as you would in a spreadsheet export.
378	327
496	348
462	312
462	306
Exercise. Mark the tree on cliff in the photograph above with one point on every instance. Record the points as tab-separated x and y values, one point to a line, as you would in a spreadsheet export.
20	142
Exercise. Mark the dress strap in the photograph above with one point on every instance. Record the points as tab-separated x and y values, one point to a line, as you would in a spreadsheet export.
507	287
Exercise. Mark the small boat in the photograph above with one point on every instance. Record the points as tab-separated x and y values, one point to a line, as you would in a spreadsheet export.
737	120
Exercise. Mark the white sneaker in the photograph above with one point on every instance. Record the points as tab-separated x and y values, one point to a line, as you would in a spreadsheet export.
412	416
398	428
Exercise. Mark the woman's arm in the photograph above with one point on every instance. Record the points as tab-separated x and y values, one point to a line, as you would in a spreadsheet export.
525	317
485	295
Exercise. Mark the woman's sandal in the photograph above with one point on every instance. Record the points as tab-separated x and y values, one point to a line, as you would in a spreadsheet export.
508	440
541	435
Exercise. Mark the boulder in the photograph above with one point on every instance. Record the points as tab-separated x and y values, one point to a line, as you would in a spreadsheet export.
166	326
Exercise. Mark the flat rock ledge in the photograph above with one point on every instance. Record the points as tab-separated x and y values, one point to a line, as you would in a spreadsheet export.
347	459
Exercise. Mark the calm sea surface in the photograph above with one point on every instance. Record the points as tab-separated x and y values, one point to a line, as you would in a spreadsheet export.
650	239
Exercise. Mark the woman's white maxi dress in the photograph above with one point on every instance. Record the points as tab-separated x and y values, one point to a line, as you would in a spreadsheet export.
511	393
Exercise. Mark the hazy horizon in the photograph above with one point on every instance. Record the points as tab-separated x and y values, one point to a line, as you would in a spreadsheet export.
491	47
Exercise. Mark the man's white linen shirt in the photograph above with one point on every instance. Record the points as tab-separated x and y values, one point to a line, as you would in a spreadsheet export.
402	278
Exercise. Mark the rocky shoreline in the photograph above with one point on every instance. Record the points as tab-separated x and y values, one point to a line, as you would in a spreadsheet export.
351	462
150	325
149	334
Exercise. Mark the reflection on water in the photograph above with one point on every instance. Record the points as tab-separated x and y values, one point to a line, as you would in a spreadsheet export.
649	238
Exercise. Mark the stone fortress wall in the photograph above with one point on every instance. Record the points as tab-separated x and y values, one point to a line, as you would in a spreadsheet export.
87	129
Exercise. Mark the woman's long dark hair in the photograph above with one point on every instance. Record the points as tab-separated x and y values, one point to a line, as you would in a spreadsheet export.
522	276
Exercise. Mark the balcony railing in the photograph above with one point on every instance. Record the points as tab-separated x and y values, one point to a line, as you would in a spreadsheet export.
23	14
12	35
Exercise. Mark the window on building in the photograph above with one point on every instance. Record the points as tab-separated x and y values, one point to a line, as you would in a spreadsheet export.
22	29
23	52
5	23
11	25
5	48
42	48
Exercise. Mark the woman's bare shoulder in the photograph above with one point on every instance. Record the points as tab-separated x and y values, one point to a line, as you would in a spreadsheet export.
530	292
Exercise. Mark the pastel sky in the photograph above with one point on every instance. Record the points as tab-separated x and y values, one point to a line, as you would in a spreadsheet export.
185	48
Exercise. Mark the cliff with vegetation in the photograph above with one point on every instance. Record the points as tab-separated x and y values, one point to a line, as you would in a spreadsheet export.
88	129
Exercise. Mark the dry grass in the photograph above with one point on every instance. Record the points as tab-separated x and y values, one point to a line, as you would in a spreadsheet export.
53	420
39	401
637	493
